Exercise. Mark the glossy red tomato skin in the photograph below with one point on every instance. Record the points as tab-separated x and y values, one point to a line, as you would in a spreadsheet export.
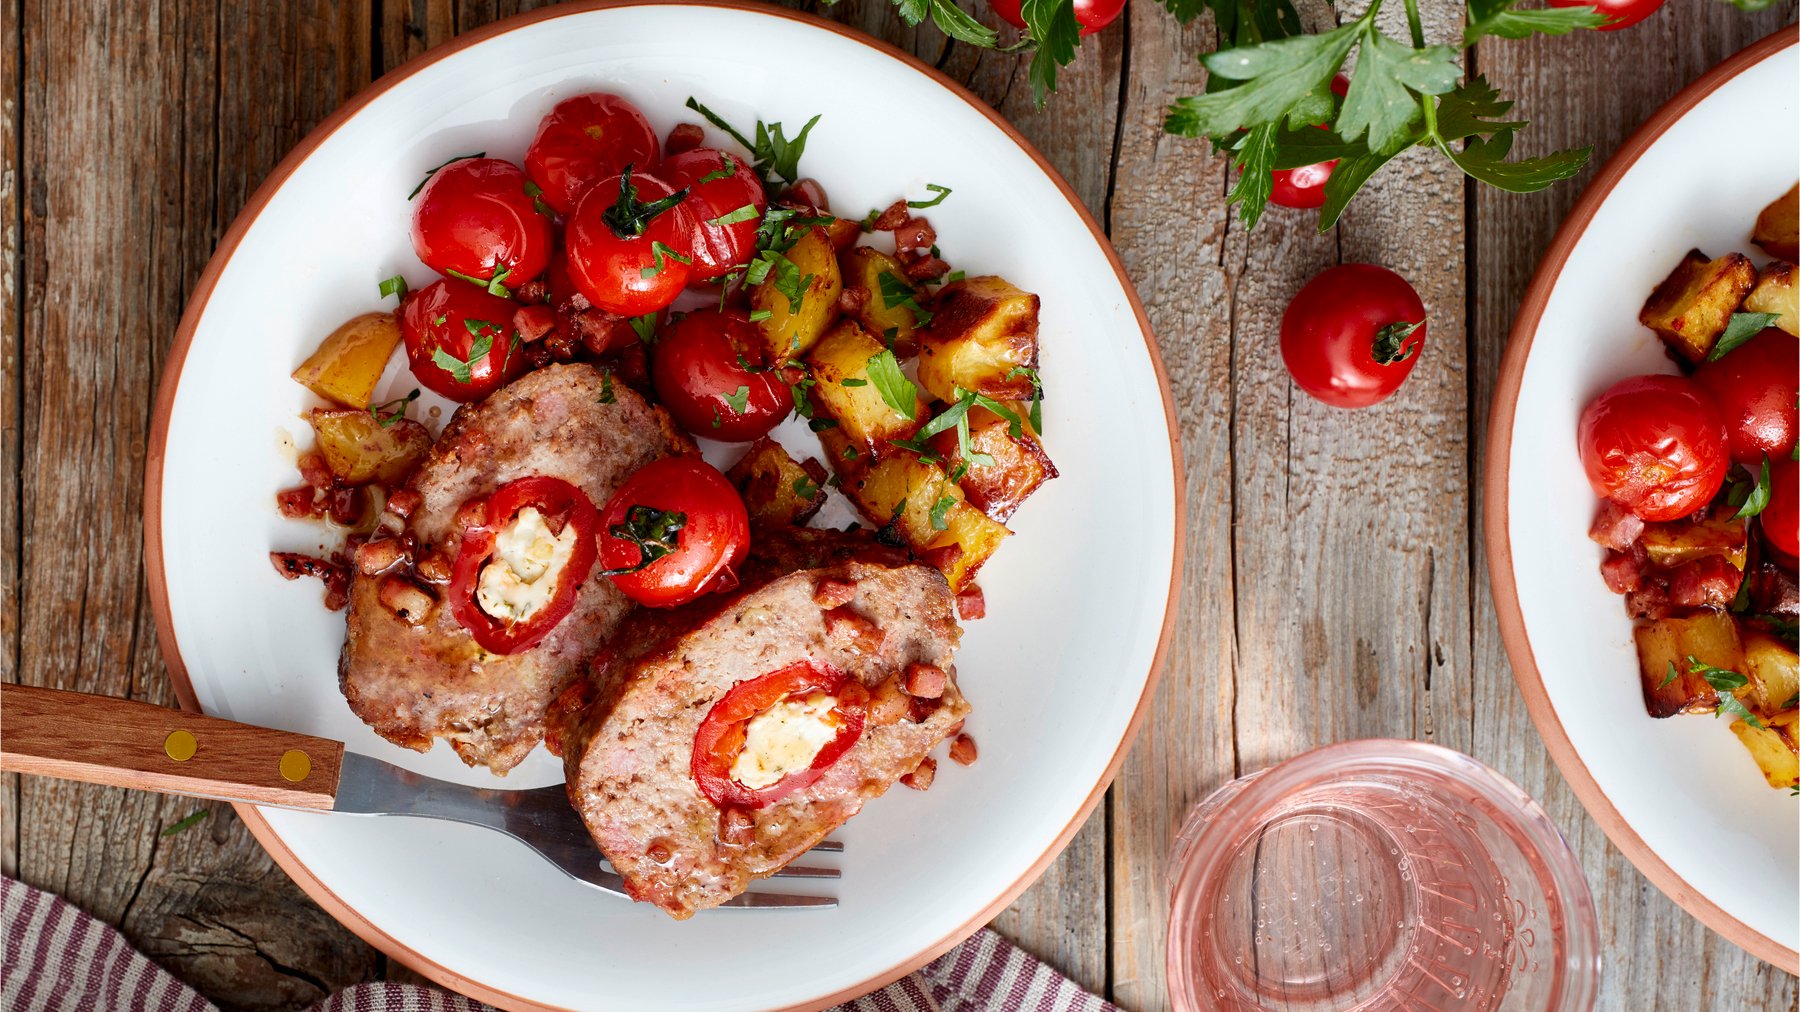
709	548
700	359
1755	387
1780	519
1624	13
719	739
1303	188
437	317
1091	15
586	139
474	217
610	270
1329	331
718	249
1655	445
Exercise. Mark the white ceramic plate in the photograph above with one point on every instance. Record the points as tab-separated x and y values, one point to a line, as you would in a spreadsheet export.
1077	600
1680	796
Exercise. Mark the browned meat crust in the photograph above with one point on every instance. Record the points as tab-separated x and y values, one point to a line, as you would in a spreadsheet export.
412	683
627	732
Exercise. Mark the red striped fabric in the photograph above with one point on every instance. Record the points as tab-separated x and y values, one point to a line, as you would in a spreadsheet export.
58	959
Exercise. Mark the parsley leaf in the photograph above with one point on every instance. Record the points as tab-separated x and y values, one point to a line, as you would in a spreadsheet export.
658	252
1725	683
606	389
745	213
1500	18
727	168
645	326
895	292
1053	27
536	193
191	820
389	412
738	401
941	191
1756	495
787	277
805	487
950	19
493	285
898	391
395	285
1670	677
434	171
1741	327
940	513
759	315
460	369
1379	103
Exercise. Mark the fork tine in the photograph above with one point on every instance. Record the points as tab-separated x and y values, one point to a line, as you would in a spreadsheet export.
800	871
765	901
828	847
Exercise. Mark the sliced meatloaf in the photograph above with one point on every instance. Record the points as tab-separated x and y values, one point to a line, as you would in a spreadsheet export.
627	732
414	679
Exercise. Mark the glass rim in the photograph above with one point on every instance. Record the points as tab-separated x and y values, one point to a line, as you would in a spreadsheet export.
1205	856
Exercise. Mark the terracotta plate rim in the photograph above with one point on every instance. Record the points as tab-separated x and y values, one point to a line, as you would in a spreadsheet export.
153	549
1497	526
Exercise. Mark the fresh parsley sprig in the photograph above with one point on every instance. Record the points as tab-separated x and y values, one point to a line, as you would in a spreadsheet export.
772	153
1725	683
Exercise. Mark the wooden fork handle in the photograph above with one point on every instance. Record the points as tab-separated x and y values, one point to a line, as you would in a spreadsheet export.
124	743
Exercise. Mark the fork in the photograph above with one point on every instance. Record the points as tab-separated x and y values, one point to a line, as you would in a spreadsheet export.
126	743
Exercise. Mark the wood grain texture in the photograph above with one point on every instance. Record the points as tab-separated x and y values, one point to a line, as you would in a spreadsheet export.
145	747
1571	89
1331	590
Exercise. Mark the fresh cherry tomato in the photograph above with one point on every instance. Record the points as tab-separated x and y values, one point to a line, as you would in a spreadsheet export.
709	371
720	738
1624	13
562	506
1304	187
474	219
630	244
676	530
1780	519
585	139
1755	387
1091	15
459	339
1654	445
727	201
1352	334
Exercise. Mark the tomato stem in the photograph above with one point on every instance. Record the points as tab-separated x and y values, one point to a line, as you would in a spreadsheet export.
655	532
1391	346
629	216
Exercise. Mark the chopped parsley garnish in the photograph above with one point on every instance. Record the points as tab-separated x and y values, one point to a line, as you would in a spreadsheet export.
606	390
773	153
434	171
460	370
389	412
821	424
727	168
645	326
655	532
759	315
1725	683
954	276
895	292
493	285
1755	494
395	285
1669	678
659	253
745	213
1037	394
898	391
738	401
786	277
868	222
805	487
536	193
1741	327
942	192
850	453
940	513
852	381
193	819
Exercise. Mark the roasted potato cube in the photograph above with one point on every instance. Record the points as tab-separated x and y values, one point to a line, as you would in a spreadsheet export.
845	459
916	504
864	269
844	390
1690	309
359	449
1775	293
349	362
1777	224
778	490
1773	669
983	332
1665	645
1673	542
793	326
1020	464
1773	747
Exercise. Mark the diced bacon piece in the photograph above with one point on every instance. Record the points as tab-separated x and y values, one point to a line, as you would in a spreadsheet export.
1616	527
1708	582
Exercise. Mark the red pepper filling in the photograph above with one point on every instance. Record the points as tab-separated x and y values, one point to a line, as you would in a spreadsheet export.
722	735
560	506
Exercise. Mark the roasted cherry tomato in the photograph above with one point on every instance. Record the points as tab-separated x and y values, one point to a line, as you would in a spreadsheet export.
1755	387
1780	519
630	244
460	340
1304	187
1091	15
727	201
1352	334
709	371
584	140
676	530
474	219
1624	13
723	731
1654	445
525	554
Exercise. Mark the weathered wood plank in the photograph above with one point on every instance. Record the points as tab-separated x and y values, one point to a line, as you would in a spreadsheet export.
12	404
1656	956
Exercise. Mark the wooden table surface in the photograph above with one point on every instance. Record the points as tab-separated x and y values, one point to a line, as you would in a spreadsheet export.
1335	584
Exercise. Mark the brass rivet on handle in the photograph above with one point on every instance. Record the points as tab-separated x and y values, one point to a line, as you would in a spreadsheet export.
295	765
180	746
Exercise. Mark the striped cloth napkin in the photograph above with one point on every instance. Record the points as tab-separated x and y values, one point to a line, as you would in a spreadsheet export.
58	959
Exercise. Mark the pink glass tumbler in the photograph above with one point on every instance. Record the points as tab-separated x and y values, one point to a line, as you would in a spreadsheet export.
1377	876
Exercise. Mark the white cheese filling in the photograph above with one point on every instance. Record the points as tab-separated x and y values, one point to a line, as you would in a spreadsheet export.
528	561
784	739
